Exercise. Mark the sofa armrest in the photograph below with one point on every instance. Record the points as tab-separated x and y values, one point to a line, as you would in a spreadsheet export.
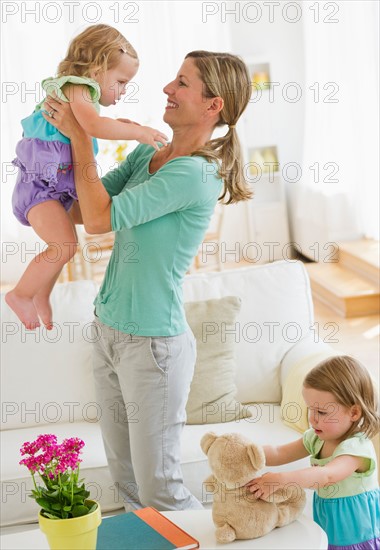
307	346
295	365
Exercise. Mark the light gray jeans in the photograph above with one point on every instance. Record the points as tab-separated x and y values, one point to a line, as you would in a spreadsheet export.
142	384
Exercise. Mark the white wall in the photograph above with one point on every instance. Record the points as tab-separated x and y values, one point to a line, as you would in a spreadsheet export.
271	36
35	36
163	33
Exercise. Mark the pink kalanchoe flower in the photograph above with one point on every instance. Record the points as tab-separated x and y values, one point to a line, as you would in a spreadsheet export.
30	464
29	448
73	461
46	440
42	442
47	457
25	448
72	444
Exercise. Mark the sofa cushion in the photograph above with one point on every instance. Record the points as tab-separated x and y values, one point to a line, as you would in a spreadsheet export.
276	312
46	376
213	388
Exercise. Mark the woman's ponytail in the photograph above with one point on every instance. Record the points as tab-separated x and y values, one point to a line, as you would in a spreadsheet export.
225	75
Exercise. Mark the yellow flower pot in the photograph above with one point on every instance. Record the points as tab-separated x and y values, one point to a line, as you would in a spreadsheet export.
74	533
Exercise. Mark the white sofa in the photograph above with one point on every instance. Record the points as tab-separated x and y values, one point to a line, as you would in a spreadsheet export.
47	387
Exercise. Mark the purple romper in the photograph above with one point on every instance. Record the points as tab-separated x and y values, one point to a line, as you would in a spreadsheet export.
44	156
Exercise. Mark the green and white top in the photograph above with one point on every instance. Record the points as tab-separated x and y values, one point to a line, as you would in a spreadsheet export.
349	510
35	126
55	84
356	483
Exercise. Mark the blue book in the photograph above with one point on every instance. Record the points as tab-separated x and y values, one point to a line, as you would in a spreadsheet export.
144	529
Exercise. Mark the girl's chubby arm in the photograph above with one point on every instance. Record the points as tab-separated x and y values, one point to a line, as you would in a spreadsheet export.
283	454
105	127
309	478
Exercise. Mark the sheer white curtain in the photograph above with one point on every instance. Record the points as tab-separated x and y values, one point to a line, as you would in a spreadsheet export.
162	32
31	48
338	196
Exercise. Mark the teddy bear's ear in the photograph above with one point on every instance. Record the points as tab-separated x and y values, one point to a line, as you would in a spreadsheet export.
256	456
207	440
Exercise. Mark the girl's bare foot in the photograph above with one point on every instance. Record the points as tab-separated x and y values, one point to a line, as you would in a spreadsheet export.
24	308
43	307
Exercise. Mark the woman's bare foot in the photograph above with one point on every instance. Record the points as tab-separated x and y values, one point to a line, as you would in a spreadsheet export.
24	308
43	307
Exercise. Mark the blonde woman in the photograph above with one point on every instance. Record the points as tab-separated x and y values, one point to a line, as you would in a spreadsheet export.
159	203
343	416
99	64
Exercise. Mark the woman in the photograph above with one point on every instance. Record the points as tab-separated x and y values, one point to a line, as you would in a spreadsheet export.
159	204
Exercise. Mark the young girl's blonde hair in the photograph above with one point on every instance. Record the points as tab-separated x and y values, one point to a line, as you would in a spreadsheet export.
97	48
225	75
350	383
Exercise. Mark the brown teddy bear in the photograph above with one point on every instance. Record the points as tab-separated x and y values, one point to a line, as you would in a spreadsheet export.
236	512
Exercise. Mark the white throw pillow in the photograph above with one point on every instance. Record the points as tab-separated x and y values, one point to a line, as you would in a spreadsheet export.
276	312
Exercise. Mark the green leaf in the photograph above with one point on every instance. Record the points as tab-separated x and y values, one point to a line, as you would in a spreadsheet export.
78	498
83	494
50	516
49	483
93	508
67	508
80	510
44	503
56	506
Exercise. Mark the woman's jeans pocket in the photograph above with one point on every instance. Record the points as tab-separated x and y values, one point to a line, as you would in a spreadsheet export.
159	350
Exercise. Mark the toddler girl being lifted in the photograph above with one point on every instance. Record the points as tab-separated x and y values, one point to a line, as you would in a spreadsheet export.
99	64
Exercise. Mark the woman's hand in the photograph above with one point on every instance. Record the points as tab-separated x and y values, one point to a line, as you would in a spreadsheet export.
60	115
265	485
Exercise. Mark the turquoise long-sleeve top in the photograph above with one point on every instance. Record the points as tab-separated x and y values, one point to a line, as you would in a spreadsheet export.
160	220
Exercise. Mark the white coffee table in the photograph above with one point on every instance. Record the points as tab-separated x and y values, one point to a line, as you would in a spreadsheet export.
302	534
